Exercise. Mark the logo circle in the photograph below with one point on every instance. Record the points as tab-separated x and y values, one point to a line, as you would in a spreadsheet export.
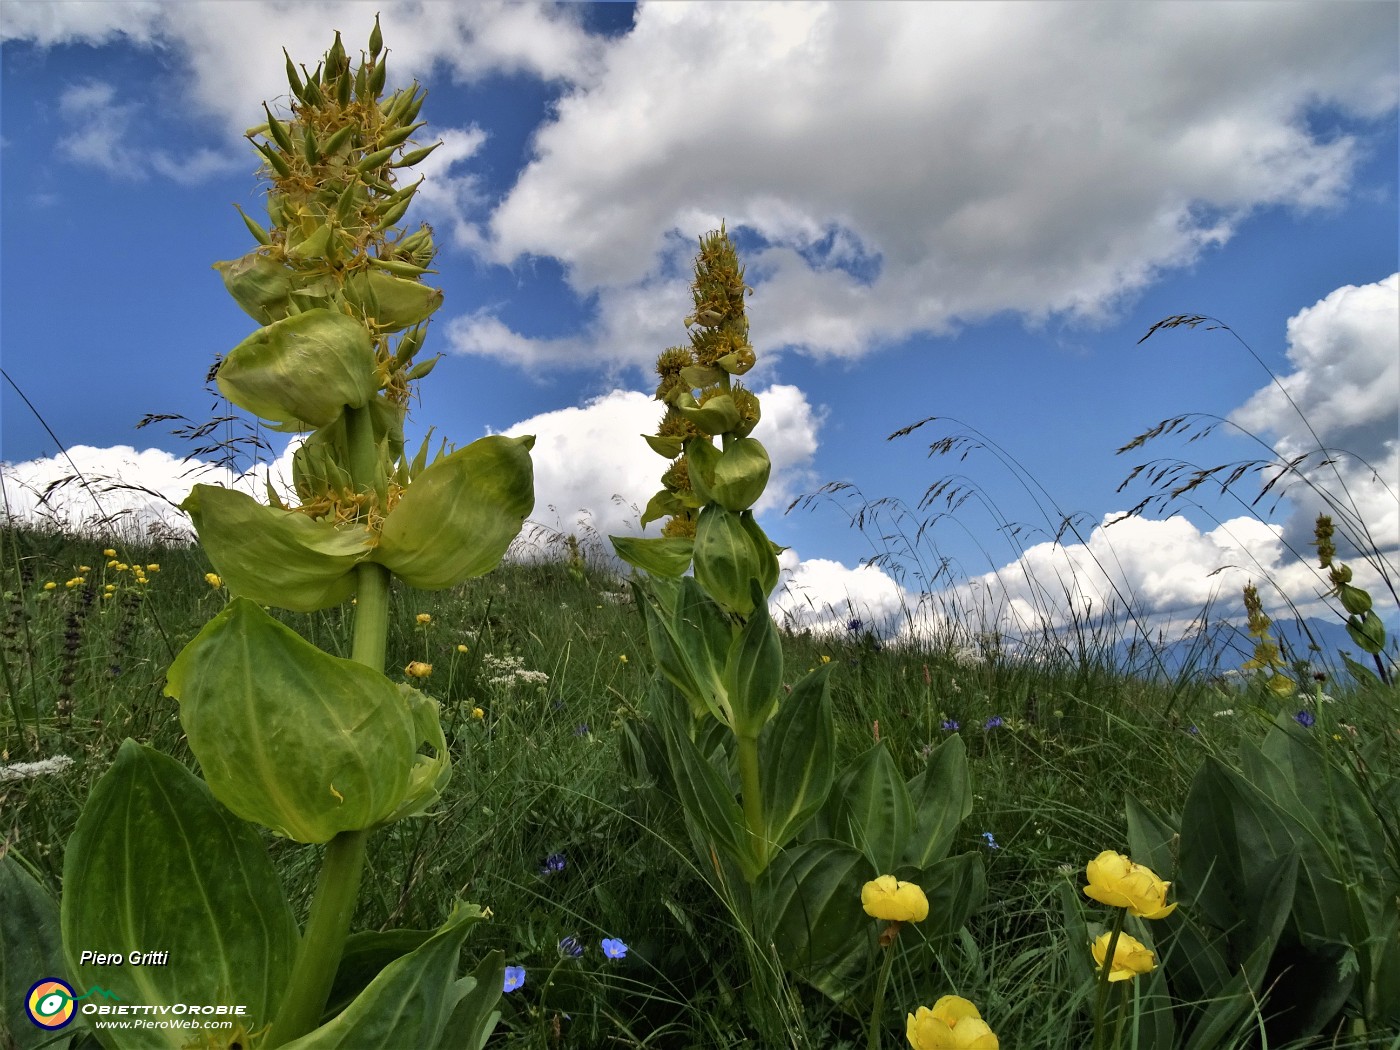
49	1003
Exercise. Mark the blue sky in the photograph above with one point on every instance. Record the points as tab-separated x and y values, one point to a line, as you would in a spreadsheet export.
964	211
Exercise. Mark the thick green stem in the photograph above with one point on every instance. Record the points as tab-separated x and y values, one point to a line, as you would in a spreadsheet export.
338	885
752	791
323	941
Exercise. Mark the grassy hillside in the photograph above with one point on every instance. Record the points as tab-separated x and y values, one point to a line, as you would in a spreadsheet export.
538	666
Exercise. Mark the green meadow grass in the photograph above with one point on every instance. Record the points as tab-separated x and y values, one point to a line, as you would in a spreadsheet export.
543	824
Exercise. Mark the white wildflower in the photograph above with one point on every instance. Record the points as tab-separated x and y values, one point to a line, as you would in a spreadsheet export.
29	770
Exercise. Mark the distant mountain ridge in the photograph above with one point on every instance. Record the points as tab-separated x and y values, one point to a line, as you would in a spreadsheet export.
1223	647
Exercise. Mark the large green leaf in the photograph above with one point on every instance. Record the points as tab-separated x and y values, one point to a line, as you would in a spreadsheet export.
1151	840
662	556
727	556
276	557
954	886
741	474
690	637
1234	842
457	518
1229	1003
872	809
293	738
809	901
941	796
302	370
753	670
797	757
475	1015
31	948
707	801
156	864
412	1001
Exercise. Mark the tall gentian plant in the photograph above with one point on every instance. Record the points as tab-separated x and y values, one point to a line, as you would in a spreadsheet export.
790	837
319	750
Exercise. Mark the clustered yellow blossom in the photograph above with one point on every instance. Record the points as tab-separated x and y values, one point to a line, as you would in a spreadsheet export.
1130	956
952	1024
1118	882
424	619
888	898
213	579
418	669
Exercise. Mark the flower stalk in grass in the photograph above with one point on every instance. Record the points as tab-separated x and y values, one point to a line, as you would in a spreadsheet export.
898	903
318	749
1130	889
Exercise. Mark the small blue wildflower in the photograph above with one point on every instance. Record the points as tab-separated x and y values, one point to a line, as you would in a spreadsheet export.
571	947
854	626
614	948
582	729
1193	730
950	725
1305	719
515	978
993	723
991	842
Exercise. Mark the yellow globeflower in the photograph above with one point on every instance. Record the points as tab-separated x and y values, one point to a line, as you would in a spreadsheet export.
888	898
109	553
425	618
85	568
478	713
1130	957
1118	882
153	567
418	669
50	585
463	649
953	1023
213	579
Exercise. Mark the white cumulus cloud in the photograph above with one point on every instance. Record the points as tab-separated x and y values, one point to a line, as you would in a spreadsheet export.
905	167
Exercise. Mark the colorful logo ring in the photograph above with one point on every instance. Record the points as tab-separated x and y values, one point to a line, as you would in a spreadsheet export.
49	1003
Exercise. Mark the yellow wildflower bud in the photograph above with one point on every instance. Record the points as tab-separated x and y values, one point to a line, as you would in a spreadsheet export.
463	649
888	898
826	659
1130	957
478	713
418	669
952	1023
113	564
623	658
50	585
213	579
122	566
424	619
110	587
1118	882
85	568
109	553
153	567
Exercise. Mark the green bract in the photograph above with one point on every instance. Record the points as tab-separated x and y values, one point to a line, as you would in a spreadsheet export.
276	557
302	742
303	370
392	303
731	550
459	516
